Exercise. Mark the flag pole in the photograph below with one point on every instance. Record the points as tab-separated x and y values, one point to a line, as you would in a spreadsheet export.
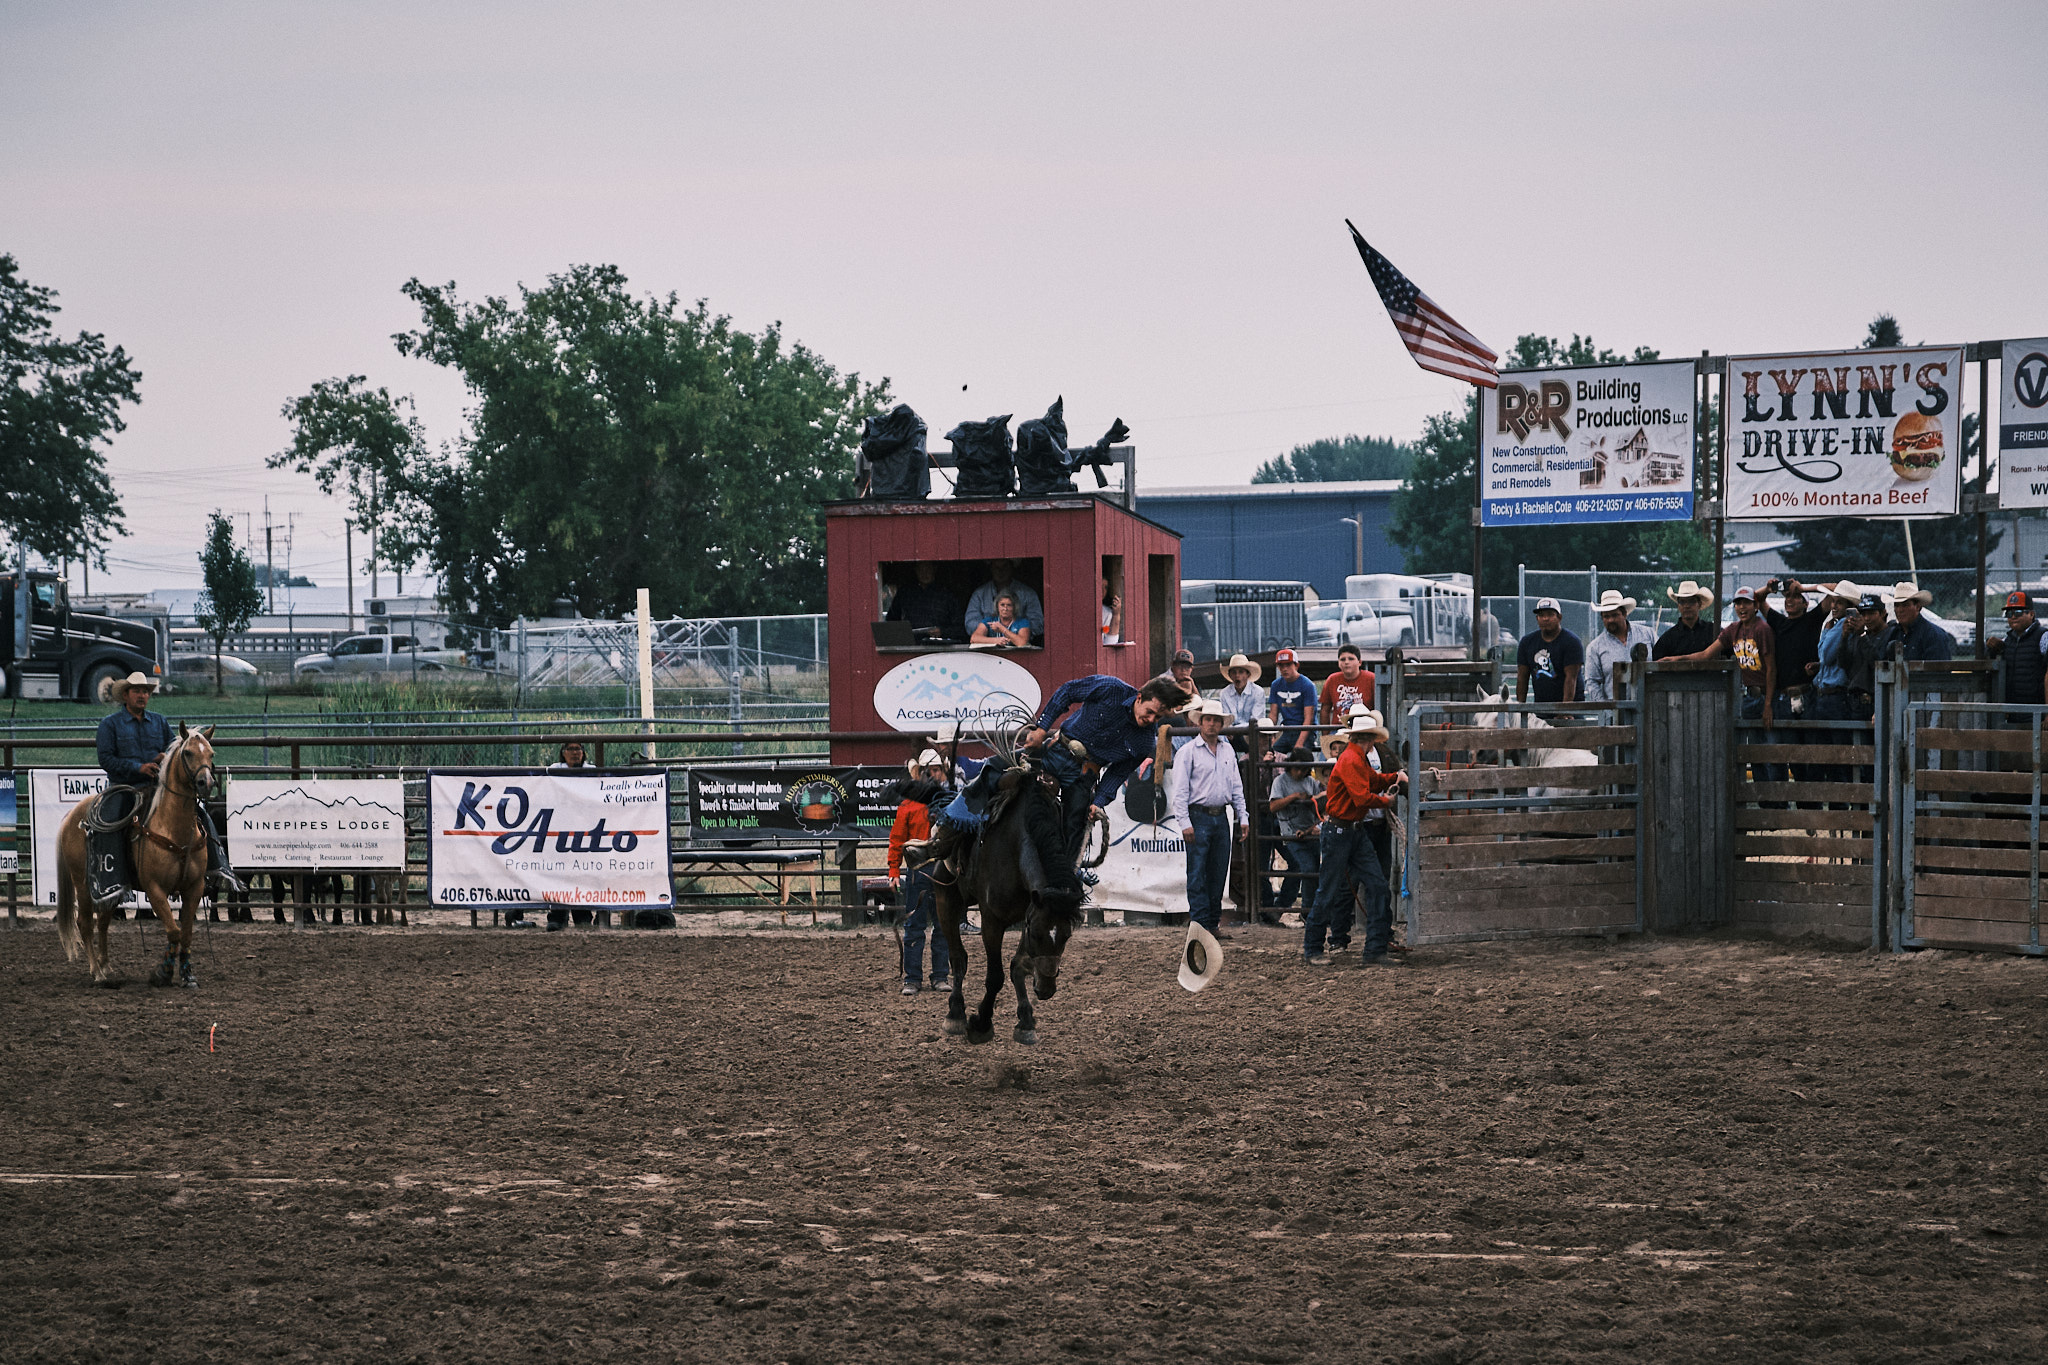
1478	495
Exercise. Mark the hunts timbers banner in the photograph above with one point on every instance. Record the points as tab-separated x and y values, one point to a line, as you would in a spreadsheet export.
52	792
2023	424
315	824
791	799
1602	443
531	838
1843	434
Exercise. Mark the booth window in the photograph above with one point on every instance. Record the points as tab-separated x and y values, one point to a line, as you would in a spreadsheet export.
936	603
1111	611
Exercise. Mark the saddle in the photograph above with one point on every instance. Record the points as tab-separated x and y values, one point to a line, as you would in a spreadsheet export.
116	823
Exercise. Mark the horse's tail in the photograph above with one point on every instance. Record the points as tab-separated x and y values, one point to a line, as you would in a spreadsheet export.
68	897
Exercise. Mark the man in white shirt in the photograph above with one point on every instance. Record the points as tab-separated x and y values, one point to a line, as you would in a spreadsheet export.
1612	645
1205	801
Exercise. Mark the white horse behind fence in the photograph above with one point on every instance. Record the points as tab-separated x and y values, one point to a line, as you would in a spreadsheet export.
1535	758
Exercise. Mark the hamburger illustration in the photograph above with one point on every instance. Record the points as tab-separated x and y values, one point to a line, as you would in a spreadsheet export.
1916	447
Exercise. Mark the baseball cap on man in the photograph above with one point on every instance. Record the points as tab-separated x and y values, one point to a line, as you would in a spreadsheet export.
1870	601
1183	656
1548	604
1285	656
2016	602
1745	595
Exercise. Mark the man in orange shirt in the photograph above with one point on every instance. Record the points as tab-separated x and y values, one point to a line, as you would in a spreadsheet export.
914	821
1349	860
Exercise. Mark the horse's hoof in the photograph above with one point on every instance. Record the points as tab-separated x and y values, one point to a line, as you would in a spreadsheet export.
1026	1036
160	976
109	983
980	1036
956	1026
188	978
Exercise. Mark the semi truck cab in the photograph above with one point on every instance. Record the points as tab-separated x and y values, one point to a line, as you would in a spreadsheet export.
71	655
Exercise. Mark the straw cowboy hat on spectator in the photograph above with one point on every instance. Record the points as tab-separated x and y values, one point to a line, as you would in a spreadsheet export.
1691	589
1334	744
1614	601
119	691
1844	590
1238	661
1209	706
1909	592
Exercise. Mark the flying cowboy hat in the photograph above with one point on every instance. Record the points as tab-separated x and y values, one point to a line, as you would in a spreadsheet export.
1909	592
1614	601
1691	589
1201	958
118	690
1238	661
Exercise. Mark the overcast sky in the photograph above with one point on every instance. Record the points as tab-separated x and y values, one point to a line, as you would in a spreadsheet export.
1138	206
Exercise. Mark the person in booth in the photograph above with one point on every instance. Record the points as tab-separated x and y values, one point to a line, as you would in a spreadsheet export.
982	606
1005	627
929	608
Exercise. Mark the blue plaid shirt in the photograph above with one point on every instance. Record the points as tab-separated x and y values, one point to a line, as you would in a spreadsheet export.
125	744
1105	727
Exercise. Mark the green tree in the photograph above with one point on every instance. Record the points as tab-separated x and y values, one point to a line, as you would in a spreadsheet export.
614	442
60	401
361	443
1335	458
231	599
1431	520
1843	544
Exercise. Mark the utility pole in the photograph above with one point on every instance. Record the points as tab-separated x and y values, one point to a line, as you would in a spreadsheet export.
348	554
269	561
291	527
376	513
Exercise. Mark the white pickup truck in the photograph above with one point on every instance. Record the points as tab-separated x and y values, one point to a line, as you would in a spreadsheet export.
376	654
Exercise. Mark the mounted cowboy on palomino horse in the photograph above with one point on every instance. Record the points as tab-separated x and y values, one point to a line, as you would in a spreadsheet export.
148	831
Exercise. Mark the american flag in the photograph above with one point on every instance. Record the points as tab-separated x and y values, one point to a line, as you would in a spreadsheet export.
1431	335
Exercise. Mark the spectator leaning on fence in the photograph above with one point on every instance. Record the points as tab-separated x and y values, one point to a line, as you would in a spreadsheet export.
1694	631
1181	672
1348	687
1924	641
1205	801
1614	644
1242	696
1549	658
1796	632
1837	653
2025	651
1748	639
1291	702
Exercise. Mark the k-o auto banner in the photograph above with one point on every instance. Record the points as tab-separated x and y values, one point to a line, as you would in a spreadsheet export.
555	838
2023	424
1843	434
1601	443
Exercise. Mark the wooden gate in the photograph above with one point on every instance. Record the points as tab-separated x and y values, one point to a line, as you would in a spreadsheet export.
1970	805
1520	832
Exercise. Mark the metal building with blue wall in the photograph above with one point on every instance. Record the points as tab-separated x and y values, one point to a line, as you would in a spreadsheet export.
1278	530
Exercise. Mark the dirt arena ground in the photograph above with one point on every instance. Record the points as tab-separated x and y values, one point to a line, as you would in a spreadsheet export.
457	1145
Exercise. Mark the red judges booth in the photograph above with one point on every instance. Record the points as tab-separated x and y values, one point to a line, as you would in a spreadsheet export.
895	675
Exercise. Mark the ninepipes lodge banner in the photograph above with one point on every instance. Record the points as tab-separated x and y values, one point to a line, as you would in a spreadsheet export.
1843	434
527	838
1601	443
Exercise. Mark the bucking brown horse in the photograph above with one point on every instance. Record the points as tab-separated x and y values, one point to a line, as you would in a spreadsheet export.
168	853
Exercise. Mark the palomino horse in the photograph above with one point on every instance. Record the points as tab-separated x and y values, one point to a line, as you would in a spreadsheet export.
1019	874
169	858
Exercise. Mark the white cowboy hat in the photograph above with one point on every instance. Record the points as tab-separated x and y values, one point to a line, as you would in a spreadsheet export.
118	691
1845	590
1211	707
930	758
1909	592
1201	958
1369	724
1691	589
1239	661
1614	601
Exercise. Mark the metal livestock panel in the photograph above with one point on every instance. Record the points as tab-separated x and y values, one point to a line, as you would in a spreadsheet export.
1542	847
1970	810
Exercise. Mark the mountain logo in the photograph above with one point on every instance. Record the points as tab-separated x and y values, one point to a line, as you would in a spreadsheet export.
925	692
